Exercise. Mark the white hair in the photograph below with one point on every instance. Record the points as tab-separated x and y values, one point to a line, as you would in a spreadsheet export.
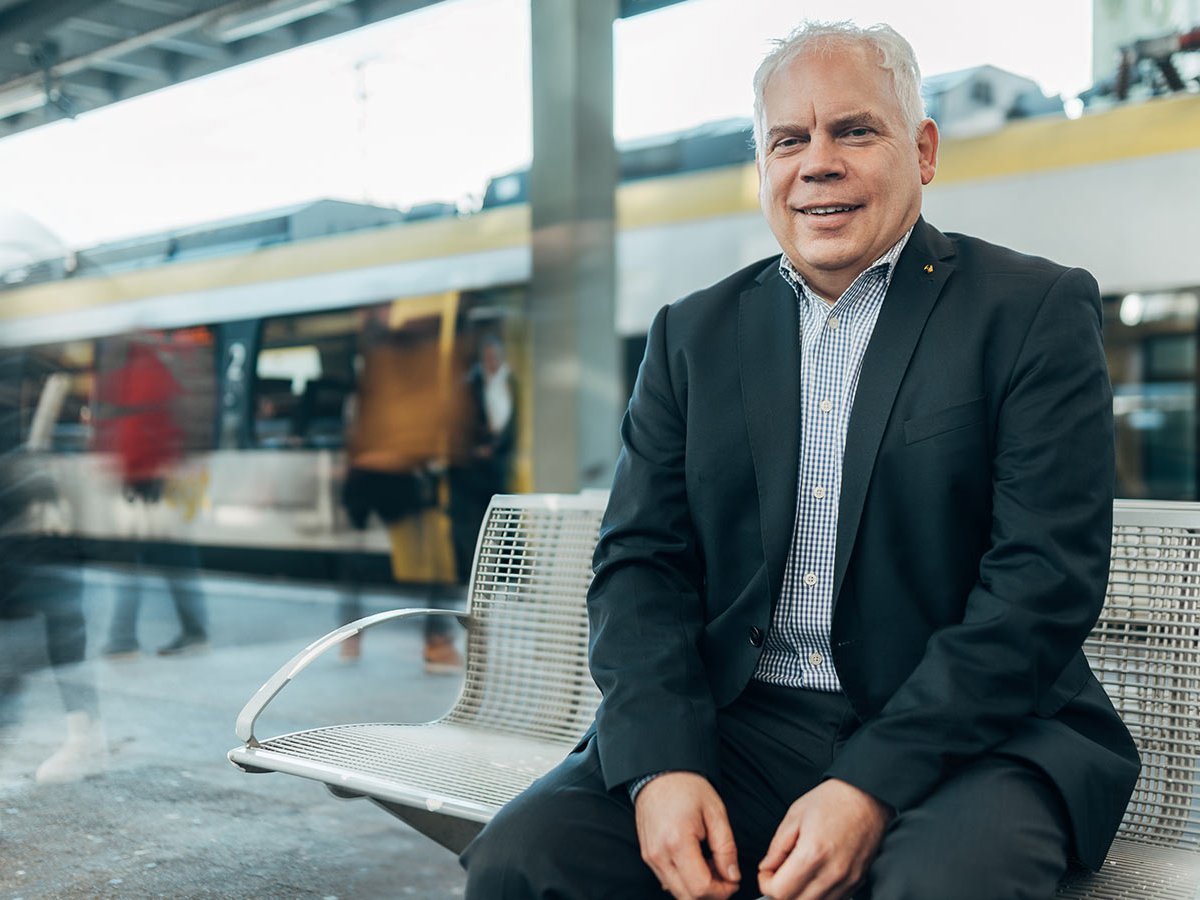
895	55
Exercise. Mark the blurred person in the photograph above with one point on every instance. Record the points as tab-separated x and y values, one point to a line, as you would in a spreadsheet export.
35	581
404	422
141	428
485	471
351	574
369	490
158	550
858	531
392	496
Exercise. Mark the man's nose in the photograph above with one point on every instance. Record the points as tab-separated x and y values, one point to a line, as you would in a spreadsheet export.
822	161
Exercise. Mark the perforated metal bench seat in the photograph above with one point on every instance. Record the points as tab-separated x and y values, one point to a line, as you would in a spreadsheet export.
456	770
527	696
1136	871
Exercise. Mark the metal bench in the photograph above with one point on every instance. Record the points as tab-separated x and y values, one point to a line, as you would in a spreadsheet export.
527	695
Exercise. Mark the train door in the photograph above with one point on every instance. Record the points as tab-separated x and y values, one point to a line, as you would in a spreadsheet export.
237	349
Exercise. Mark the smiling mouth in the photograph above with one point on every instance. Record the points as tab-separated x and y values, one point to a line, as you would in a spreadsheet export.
827	210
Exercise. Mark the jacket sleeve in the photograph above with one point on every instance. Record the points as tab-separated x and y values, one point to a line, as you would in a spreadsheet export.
645	605
1042	579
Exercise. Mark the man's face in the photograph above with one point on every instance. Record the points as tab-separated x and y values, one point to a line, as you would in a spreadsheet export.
491	359
840	170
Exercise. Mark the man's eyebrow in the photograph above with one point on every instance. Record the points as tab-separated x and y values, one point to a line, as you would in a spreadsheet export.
776	131
858	119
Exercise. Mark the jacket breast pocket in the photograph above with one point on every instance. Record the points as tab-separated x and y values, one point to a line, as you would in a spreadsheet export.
961	415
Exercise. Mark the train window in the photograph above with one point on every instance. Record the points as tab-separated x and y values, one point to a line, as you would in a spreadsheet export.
299	365
982	93
304	376
1171	357
506	189
191	354
1151	343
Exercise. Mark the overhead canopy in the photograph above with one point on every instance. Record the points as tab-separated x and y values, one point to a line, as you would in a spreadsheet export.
59	58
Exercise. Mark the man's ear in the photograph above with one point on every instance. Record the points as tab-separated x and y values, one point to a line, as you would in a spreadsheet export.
927	149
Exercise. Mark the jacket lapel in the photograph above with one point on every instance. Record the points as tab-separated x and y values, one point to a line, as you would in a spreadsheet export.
921	272
769	364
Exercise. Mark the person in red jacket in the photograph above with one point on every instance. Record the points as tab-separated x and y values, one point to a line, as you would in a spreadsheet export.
141	429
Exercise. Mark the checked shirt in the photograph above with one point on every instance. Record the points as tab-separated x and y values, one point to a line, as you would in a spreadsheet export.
833	339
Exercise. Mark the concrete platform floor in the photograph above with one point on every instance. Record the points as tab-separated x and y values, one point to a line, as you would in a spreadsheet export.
170	816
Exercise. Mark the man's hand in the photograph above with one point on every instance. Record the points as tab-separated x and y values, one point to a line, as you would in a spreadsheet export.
824	844
675	813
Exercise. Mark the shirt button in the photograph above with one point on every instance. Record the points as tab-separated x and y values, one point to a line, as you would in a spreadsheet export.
810	579
833	322
815	658
826	405
819	493
756	636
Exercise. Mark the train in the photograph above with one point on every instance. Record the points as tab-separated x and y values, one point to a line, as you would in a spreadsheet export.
269	313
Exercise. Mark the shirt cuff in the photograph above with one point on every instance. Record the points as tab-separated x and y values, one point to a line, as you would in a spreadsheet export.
635	786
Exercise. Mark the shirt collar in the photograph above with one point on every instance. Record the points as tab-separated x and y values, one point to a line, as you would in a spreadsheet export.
888	261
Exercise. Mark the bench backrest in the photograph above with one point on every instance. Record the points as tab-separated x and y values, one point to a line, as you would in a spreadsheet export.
527	668
1146	652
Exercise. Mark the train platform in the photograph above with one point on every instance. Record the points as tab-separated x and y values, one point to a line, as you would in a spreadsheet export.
170	816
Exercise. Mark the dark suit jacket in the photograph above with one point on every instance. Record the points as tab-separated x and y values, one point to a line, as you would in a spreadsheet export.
972	542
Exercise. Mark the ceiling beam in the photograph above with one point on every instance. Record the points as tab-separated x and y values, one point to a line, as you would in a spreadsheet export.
98	29
164	7
156	75
76	64
197	49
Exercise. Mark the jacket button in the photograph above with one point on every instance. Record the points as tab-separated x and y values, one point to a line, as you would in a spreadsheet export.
756	636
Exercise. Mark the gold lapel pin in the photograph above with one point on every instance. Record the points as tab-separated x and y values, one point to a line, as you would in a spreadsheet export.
929	268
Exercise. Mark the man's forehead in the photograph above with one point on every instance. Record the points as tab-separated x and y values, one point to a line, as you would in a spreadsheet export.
818	84
851	64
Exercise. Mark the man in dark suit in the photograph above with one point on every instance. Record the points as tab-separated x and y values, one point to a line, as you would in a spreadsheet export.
858	532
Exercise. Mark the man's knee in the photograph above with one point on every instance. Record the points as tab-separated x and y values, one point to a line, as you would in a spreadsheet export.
997	832
927	874
508	858
564	837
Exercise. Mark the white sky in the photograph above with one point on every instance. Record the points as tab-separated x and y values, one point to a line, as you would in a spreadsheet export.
447	105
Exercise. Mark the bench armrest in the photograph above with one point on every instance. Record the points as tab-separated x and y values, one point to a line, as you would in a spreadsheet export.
277	682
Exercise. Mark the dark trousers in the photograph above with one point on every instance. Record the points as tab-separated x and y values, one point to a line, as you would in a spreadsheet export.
471	490
179	563
995	829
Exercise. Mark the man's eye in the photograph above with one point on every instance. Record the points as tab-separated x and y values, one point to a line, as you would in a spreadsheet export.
858	132
786	143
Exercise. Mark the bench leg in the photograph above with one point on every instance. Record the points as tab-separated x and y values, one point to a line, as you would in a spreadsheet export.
453	834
